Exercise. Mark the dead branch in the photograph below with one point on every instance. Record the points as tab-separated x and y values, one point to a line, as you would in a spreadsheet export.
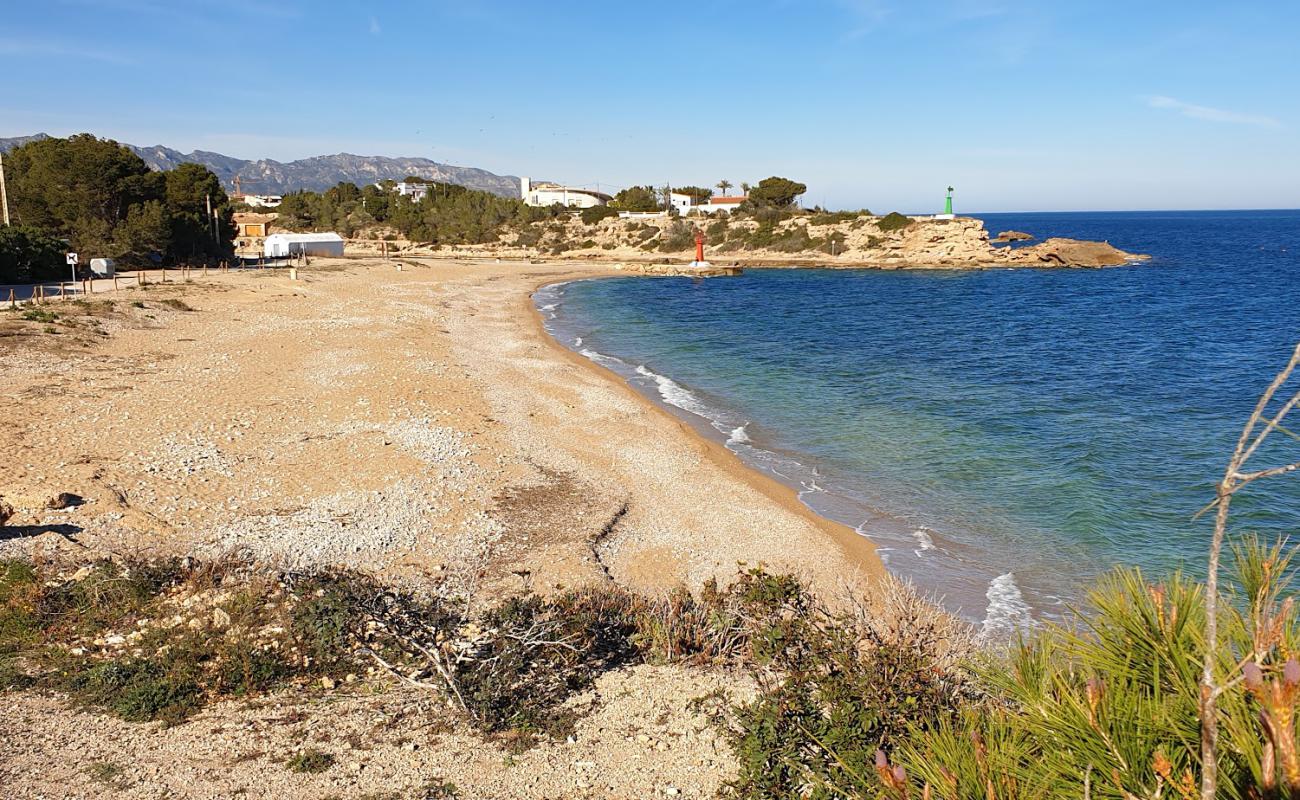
1233	480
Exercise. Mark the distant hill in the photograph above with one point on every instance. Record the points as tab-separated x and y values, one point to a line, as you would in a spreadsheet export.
319	172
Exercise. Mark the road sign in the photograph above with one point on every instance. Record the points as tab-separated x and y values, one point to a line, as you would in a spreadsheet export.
72	259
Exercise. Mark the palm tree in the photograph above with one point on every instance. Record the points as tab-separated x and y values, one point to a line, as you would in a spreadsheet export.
723	185
744	188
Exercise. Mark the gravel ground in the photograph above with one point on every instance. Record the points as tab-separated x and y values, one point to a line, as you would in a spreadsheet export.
408	424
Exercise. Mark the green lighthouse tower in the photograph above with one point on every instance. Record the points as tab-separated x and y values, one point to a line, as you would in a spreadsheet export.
947	207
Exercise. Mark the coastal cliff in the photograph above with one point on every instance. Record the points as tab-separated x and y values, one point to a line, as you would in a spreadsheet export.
802	240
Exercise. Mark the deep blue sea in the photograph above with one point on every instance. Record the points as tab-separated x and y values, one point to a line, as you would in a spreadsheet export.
1004	436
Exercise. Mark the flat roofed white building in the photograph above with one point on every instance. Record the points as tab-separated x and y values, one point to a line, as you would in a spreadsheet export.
283	245
550	194
416	190
715	204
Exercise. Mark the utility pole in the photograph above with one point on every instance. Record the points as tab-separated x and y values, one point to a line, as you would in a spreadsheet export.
4	197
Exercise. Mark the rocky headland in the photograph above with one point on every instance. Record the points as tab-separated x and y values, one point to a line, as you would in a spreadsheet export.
798	240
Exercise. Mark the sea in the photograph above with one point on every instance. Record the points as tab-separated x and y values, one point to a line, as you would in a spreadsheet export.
1003	436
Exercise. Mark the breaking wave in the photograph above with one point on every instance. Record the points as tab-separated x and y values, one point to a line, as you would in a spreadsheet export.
1007	613
923	539
674	394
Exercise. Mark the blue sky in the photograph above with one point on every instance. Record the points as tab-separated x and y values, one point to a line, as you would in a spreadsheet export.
873	103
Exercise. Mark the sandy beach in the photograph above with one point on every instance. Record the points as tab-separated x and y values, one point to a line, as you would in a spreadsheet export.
409	424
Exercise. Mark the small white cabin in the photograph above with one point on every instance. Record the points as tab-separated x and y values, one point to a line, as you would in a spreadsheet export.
283	245
415	190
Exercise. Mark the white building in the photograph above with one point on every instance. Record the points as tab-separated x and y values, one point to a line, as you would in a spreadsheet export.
684	203
416	190
262	200
283	245
549	194
716	204
681	202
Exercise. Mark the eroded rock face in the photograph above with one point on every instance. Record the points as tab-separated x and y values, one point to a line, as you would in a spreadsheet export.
960	242
1013	236
6	511
1059	252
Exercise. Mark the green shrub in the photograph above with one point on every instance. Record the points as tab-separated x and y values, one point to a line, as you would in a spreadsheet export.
310	761
851	686
677	236
836	217
529	236
138	689
40	315
438	790
323	624
593	215
893	221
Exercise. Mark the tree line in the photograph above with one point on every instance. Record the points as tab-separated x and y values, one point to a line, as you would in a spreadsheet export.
97	198
448	214
774	192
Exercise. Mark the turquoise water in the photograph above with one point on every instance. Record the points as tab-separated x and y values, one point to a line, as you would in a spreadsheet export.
1006	435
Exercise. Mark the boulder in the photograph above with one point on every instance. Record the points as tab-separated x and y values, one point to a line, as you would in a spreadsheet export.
6	511
1057	252
1013	236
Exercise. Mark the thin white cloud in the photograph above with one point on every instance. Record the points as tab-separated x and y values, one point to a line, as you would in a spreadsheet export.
1209	114
375	30
35	48
865	15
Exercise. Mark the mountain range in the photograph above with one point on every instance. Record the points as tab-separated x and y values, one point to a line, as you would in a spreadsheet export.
265	176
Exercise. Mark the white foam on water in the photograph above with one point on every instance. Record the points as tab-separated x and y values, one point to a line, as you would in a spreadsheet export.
739	435
577	341
674	394
600	358
1007	613
810	487
923	540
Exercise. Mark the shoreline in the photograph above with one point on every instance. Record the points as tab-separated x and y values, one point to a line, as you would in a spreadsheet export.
851	542
984	594
404	422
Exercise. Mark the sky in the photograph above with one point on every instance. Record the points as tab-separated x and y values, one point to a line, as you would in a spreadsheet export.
877	104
